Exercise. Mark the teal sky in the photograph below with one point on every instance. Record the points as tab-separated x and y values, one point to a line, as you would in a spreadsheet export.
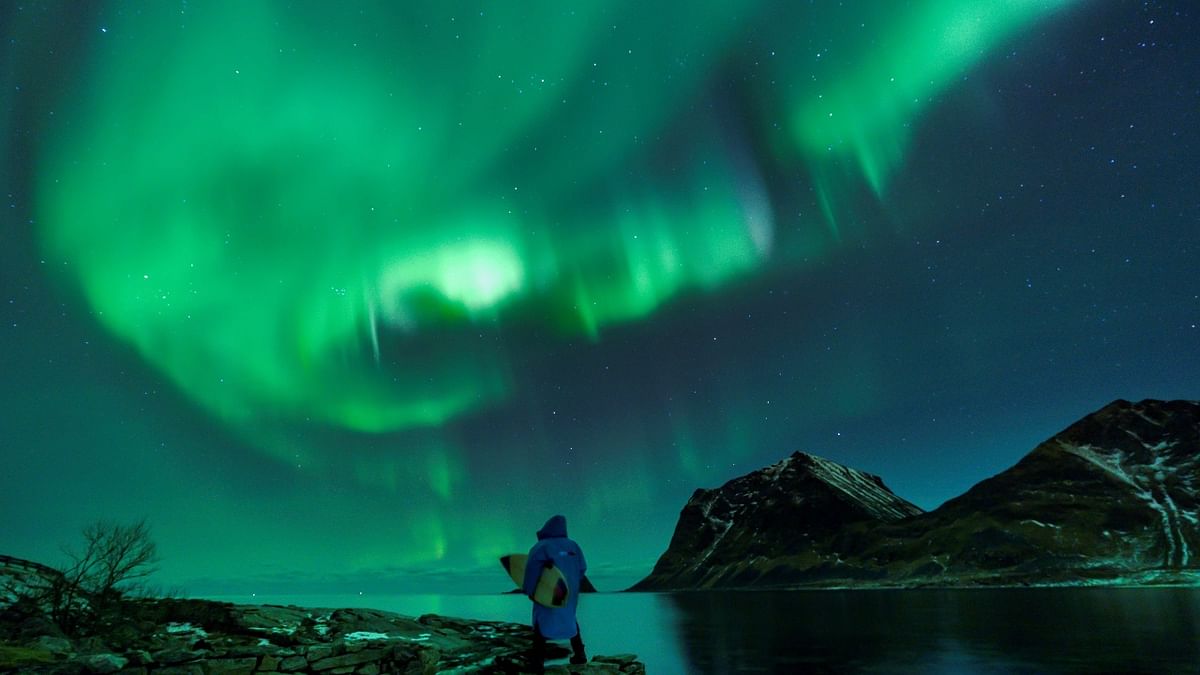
354	298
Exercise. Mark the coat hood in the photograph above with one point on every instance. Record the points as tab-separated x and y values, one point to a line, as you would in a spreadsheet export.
555	527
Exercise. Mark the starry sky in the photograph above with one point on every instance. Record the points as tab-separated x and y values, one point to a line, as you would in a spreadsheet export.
354	298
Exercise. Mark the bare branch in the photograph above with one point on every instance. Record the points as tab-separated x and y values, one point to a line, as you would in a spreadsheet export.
112	562
126	553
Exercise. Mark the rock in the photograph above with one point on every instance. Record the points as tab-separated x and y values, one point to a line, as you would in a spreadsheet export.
240	666
352	659
246	644
54	645
616	664
187	669
201	644
213	615
268	617
345	621
511	663
619	659
426	662
139	657
292	664
103	663
36	626
319	652
233	649
125	637
177	654
402	652
597	669
435	620
587	669
429	655
92	645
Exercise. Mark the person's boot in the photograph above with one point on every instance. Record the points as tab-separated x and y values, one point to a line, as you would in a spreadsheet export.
579	657
536	656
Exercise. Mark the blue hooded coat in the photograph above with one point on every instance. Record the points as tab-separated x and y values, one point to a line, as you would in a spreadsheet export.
555	549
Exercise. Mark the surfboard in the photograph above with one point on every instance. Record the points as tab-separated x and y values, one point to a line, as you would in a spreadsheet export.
551	588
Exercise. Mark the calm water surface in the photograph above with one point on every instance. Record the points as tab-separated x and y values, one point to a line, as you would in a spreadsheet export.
1087	630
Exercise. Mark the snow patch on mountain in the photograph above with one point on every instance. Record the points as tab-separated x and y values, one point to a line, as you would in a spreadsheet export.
1140	413
863	489
1148	482
722	527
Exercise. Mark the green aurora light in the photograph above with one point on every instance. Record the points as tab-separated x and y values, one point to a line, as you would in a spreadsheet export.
297	216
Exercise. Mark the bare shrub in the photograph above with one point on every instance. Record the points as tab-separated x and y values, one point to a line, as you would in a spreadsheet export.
114	561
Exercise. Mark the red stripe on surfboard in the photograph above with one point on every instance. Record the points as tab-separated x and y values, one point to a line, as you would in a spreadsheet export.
560	593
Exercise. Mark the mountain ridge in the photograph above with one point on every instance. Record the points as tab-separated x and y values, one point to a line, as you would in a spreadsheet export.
1112	496
822	495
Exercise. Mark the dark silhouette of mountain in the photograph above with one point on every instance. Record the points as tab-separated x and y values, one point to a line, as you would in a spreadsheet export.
759	528
1112	498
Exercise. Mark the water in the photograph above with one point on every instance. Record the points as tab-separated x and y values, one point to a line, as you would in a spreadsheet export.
1043	631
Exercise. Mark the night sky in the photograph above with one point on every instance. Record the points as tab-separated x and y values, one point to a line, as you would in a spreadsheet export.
354	298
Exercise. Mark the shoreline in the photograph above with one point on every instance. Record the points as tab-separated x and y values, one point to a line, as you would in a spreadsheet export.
206	637
1146	579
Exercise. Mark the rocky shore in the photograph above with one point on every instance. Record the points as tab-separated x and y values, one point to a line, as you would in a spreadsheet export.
199	637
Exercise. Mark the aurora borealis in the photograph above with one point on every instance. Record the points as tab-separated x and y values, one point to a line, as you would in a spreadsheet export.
335	198
357	293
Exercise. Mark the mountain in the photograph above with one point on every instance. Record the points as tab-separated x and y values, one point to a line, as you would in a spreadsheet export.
760	528
1115	497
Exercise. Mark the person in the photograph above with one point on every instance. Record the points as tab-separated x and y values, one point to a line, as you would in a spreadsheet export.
554	549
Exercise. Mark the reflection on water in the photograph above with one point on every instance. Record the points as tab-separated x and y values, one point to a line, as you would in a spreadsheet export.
1087	630
941	631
